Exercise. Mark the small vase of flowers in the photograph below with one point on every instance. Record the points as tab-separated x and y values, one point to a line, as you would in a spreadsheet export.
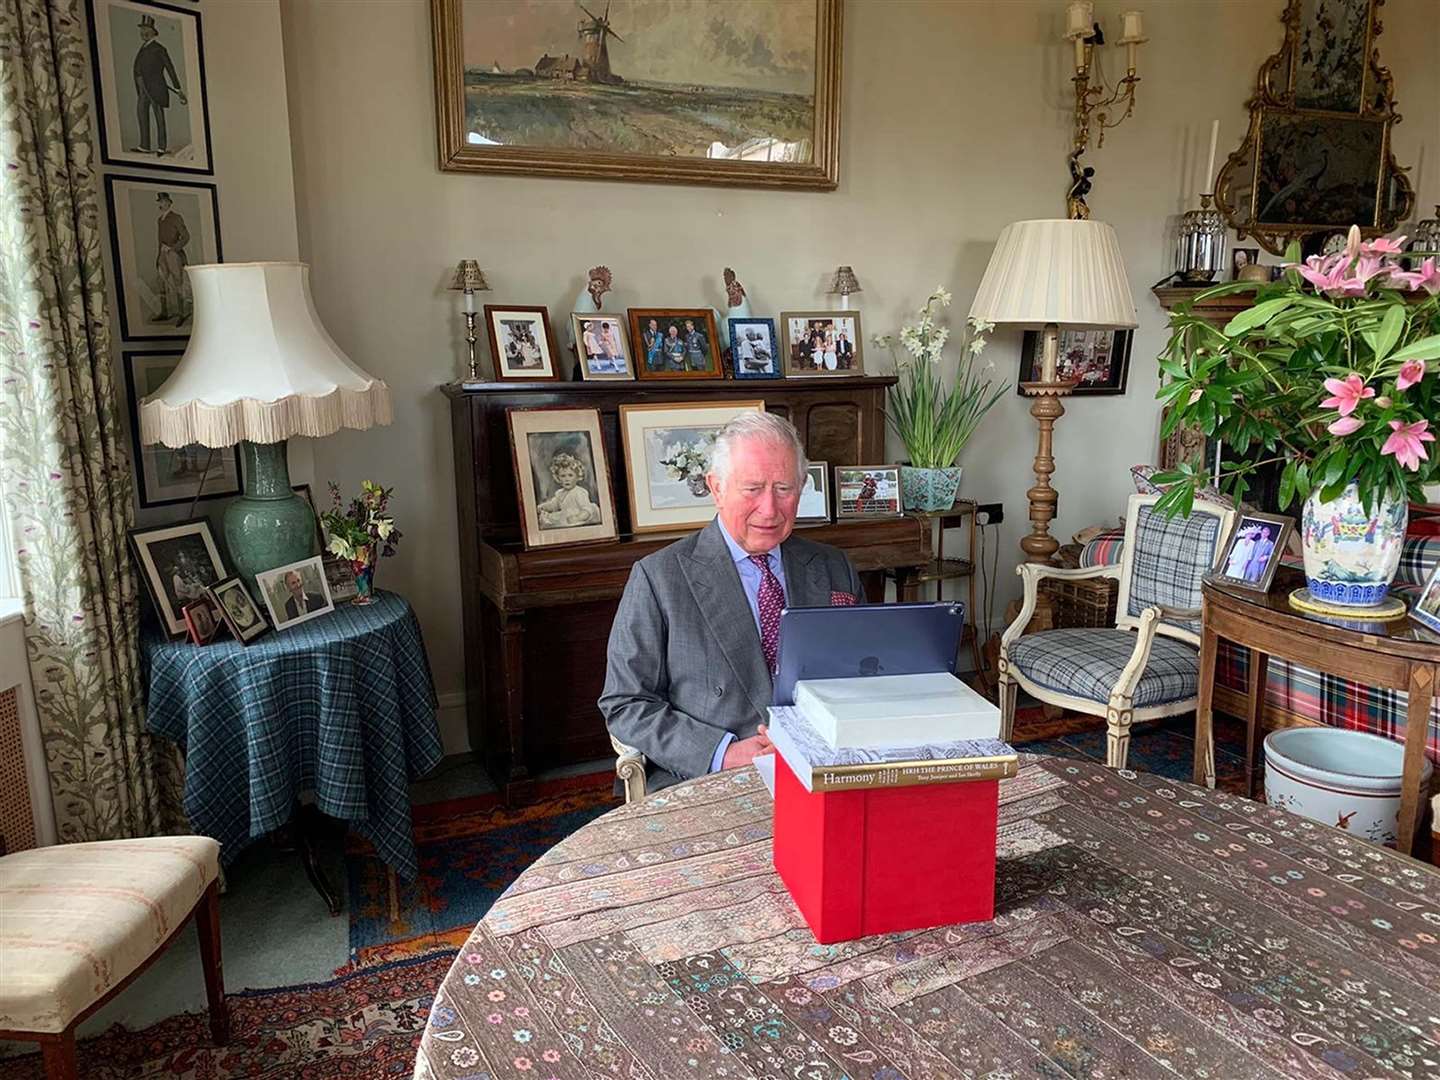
362	532
932	421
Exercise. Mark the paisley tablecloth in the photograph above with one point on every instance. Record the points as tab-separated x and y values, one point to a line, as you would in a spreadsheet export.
1144	928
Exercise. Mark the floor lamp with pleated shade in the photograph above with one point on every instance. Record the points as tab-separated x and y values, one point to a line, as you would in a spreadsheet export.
1044	275
260	369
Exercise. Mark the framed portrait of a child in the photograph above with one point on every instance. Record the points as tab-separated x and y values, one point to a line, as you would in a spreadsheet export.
562	478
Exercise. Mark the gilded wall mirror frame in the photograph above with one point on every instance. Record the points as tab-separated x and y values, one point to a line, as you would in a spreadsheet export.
1317	155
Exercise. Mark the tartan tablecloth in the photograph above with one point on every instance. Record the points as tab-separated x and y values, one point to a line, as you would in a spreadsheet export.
342	705
1144	928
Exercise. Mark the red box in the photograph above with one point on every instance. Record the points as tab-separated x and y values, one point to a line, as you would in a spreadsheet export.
881	860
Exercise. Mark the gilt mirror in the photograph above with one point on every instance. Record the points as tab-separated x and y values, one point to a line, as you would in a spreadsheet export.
1317	158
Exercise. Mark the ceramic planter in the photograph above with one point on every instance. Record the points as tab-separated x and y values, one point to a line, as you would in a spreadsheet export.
929	490
1348	779
1351	556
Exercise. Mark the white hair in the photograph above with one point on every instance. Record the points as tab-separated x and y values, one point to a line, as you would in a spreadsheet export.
761	427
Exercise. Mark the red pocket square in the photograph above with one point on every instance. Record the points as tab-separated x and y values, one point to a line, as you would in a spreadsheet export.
842	599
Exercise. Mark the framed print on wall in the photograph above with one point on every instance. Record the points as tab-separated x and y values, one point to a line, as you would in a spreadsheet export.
149	63
675	343
179	564
562	477
822	343
667	454
645	90
601	346
157	228
522	346
1098	359
165	476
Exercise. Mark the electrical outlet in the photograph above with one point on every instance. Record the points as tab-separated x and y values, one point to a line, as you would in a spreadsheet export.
989	514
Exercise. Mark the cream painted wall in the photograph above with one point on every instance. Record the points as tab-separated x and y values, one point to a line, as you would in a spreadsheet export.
955	122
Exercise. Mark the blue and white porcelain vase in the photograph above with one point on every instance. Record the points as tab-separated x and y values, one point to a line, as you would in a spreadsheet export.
1351	555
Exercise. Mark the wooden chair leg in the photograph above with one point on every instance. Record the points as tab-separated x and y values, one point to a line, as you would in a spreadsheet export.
1009	692
1118	718
207	923
59	1057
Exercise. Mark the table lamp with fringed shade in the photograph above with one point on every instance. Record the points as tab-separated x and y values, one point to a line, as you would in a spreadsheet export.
260	369
1044	275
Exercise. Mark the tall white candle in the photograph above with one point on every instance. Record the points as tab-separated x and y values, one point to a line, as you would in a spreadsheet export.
1207	186
469	300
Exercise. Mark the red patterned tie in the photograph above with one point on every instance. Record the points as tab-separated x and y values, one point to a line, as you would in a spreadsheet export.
771	601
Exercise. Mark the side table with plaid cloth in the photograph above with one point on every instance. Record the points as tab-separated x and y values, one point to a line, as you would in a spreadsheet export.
342	706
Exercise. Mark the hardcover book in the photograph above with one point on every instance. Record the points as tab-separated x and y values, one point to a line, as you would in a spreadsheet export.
896	710
822	767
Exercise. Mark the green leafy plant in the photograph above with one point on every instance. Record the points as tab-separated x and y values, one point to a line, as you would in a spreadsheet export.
1328	373
935	423
364	527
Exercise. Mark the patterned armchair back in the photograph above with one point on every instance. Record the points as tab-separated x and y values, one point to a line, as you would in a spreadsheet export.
1166	558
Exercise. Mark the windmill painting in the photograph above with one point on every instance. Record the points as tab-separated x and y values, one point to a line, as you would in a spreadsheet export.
684	90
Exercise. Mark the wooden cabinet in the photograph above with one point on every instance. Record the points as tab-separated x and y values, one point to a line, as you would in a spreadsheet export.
537	622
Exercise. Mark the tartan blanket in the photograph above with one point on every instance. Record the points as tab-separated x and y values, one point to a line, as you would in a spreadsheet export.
342	706
1303	690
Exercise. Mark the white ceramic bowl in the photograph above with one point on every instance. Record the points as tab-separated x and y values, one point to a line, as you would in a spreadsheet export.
1348	779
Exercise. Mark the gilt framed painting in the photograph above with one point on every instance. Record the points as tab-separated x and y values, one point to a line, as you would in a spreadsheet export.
741	95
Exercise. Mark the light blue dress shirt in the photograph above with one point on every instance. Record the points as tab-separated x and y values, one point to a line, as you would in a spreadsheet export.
750	578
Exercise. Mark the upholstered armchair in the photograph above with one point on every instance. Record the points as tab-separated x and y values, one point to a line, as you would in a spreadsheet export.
630	768
1145	667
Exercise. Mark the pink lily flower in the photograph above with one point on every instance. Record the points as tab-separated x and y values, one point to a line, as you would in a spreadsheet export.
1407	442
1345	426
1427	277
1382	246
1352	244
1411	372
1348	393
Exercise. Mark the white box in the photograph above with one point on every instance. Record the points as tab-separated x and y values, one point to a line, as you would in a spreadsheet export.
896	710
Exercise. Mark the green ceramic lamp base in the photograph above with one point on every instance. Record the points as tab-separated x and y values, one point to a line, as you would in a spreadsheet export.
270	525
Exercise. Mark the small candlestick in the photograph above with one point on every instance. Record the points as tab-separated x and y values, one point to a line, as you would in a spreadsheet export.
1208	185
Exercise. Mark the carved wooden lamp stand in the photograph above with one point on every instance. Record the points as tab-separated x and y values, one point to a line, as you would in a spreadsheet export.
1044	275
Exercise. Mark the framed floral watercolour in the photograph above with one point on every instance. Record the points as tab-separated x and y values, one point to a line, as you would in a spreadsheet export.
601	346
747	95
179	564
1099	360
164	476
562	477
667	454
676	343
822	343
149	63
867	491
522	345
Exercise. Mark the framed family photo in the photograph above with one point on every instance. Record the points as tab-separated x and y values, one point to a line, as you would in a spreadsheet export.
521	343
754	349
1426	609
562	477
866	491
295	593
201	620
601	346
179	564
676	343
646	90
157	228
149	63
165	476
822	343
1254	552
1098	360
667	454
238	610
814	505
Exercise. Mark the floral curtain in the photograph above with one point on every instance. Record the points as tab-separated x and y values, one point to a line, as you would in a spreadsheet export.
63	469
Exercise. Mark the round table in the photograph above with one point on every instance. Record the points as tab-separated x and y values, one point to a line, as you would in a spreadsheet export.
1144	927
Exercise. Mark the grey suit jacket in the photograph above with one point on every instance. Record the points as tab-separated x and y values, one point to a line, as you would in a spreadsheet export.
684	660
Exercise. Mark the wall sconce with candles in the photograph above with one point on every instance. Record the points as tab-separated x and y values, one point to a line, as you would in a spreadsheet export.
1095	102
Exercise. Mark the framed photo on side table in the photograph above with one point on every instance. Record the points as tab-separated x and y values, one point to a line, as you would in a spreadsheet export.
1098	359
675	343
295	593
562	478
815	495
179	564
1254	552
522	345
1427	607
201	620
600	343
867	491
755	349
667	454
238	610
822	343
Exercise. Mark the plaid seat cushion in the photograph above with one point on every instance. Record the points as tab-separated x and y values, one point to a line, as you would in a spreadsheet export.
1086	662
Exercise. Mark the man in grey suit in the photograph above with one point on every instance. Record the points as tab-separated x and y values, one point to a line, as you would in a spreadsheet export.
692	647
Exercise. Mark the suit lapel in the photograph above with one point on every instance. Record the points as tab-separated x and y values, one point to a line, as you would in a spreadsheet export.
806	583
715	584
